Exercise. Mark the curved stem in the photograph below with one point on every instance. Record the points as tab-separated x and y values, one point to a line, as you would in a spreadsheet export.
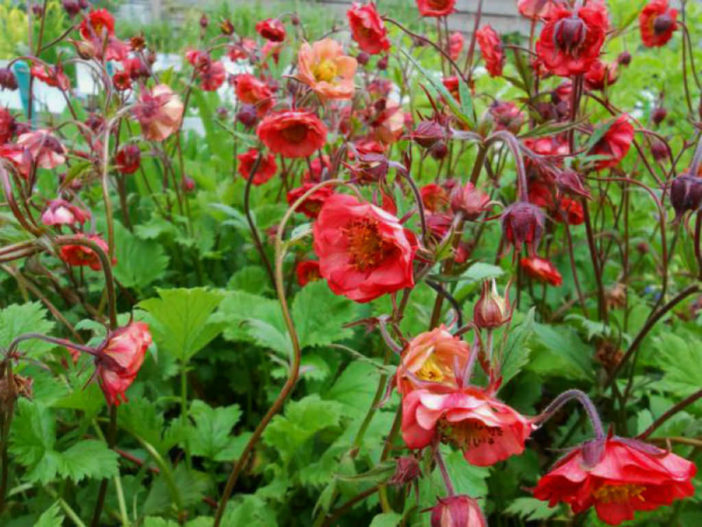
444	473
586	403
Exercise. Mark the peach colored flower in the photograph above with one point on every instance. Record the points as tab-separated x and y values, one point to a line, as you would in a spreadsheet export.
159	112
324	68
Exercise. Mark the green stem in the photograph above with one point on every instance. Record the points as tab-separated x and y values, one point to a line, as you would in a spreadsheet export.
184	407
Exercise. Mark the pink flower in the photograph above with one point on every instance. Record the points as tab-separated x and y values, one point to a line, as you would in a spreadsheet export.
61	212
159	111
45	149
324	68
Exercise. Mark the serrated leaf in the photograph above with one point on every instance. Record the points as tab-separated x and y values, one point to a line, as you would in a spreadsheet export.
558	351
319	315
355	387
531	509
51	517
213	427
33	433
386	519
18	319
140	262
516	353
88	459
182	318
249	510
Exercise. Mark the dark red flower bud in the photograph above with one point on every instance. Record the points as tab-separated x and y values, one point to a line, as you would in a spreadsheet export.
226	27
658	115
84	4
8	81
570	182
469	200
295	20
569	34
406	471
491	310
137	42
363	58
663	24
439	150
72	7
659	149
382	63
95	122
523	224
222	112
624	58
428	133
128	159
247	115
188	184
37	10
457	511
685	194
204	21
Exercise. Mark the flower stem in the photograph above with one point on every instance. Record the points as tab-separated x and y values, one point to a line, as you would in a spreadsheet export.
586	403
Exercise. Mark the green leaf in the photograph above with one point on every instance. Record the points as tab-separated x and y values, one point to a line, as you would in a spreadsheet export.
559	352
182	318
355	387
213	427
252	279
680	360
516	353
319	315
386	519
139	262
467	479
52	517
17	319
249	510
89	459
33	433
531	509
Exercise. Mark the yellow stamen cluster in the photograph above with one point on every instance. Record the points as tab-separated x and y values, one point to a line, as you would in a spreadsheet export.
608	493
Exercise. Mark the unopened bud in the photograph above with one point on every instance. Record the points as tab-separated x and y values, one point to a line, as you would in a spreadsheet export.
658	115
247	115
685	194
204	21
406	471
439	150
469	200
226	27
8	81
523	224
491	310
457	511
362	58
428	133
188	184
382	63
624	58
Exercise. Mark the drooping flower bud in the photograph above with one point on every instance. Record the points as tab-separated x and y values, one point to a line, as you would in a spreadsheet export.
369	168
624	58
428	133
491	310
8	81
188	184
247	115
469	200
658	115
382	63
685	194
439	150
569	182
523	224
406	471
659	149
72	7
362	58
457	511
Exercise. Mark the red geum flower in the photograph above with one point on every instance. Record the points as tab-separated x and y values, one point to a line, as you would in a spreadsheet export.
451	84
364	252
121	80
159	111
61	212
242	49
119	360
80	255
657	23
313	203
569	210
491	49
99	23
19	156
457	511
434	197
472	202
614	144
627	476
45	149
250	90
317	168
571	39
434	356
438	223
485	429
293	133
455	44
265	171
601	75
536	9
507	116
367	28
542	270
436	7
8	126
128	159
271	29
213	76
307	271
523	224
52	76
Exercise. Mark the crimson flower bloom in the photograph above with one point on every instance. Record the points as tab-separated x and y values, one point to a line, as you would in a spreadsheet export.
570	211
367	28
292	133
265	171
80	255
121	80
211	73
98	24
307	271
271	29
485	429
657	23
571	39
601	75
456	41
128	159
471	201
19	156
457	511
317	168
507	116
627	476
536	9
8	126
364	252
52	76
614	144
61	212
434	197
542	270
432	357
436	8
159	111
250	90
119	359
313	204
491	49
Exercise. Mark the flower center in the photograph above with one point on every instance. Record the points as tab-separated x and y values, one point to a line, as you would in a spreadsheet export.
431	371
569	35
619	493
366	246
325	71
295	133
662	24
470	433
